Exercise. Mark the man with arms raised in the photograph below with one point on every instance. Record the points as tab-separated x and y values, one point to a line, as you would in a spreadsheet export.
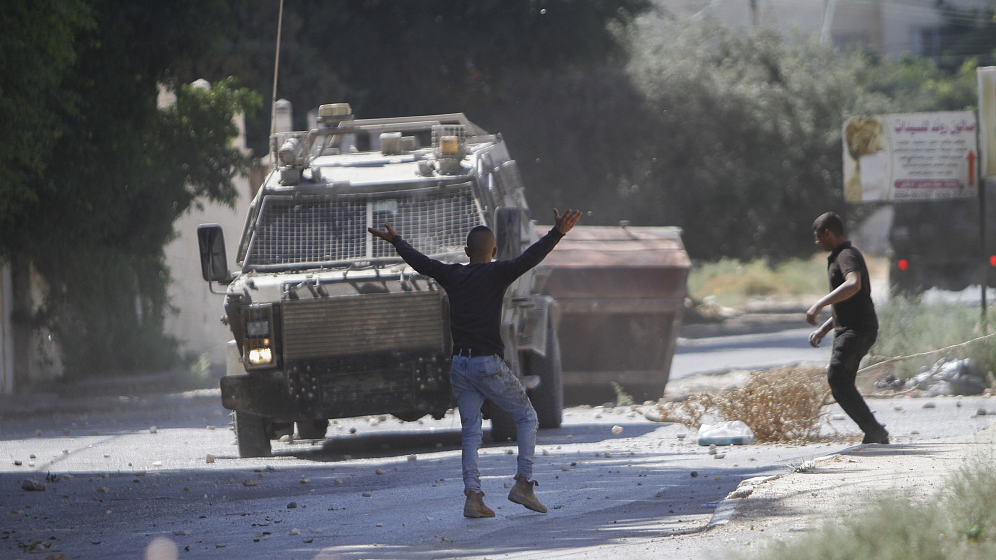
479	372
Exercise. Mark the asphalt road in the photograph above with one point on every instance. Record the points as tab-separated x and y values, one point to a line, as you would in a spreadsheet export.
720	354
379	488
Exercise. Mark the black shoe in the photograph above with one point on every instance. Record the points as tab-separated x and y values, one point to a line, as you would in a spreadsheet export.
878	435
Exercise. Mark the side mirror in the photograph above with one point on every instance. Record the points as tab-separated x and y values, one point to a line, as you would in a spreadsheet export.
508	233
214	261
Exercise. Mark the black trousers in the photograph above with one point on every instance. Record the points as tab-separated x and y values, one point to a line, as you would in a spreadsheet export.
849	346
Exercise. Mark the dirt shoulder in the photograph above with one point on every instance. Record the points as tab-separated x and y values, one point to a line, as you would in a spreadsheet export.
828	489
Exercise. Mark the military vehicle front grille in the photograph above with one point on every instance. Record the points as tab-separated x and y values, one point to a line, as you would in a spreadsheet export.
343	326
313	230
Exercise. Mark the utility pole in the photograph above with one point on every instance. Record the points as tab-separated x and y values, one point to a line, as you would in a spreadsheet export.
829	6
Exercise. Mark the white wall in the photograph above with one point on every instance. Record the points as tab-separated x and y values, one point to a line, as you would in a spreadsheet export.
197	323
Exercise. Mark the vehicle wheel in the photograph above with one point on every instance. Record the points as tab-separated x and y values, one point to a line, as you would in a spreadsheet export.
548	397
250	432
312	429
503	426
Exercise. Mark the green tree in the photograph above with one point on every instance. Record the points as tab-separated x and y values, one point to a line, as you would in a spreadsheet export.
734	137
36	51
101	202
402	57
919	84
747	133
966	34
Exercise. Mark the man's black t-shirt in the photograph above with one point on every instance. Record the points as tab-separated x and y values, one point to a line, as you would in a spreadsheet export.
858	311
476	291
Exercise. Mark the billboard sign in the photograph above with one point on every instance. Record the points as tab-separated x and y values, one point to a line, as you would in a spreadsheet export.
910	156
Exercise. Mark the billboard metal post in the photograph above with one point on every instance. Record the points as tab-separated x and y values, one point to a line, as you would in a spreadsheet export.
986	81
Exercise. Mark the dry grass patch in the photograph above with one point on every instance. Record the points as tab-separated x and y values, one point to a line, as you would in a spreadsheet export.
780	405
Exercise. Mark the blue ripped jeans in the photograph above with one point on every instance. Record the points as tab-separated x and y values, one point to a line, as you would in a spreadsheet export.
487	377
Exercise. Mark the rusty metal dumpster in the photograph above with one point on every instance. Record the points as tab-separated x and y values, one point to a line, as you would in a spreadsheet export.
619	295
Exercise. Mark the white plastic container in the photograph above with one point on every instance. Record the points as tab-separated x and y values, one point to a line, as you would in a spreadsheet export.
726	433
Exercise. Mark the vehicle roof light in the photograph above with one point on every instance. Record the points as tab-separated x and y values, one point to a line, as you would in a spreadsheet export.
449	146
334	110
331	115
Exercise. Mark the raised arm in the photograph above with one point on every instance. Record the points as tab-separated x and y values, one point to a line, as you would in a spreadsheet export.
387	235
567	221
418	261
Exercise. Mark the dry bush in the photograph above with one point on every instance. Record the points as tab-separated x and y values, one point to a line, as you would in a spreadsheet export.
779	405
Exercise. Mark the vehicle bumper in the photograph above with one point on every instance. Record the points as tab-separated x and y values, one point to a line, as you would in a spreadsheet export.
388	383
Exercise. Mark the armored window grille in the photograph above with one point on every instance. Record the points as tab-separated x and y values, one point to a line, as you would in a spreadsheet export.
322	230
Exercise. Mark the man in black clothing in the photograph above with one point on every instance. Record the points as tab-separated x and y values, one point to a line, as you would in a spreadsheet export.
479	372
853	321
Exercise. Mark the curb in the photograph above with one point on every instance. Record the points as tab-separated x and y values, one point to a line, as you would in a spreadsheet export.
727	508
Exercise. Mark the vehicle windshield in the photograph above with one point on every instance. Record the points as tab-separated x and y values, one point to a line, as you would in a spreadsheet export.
308	231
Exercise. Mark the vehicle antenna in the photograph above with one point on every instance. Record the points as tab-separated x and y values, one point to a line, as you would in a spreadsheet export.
276	69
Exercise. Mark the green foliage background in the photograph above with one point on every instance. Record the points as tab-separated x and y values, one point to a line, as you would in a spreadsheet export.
106	174
612	106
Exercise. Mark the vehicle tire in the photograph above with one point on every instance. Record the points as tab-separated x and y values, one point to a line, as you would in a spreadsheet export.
408	416
250	432
503	426
548	397
312	429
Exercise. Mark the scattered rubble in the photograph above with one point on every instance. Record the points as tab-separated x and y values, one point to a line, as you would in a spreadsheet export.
949	376
33	485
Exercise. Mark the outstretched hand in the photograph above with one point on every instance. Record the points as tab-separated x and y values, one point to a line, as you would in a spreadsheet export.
387	235
567	221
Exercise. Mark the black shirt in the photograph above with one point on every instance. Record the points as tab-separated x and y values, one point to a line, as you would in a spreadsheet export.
858	311
476	291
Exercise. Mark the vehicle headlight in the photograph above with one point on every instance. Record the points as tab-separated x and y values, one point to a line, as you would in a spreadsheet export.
259	348
260	356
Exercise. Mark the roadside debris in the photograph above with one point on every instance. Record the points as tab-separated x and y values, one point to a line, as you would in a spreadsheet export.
725	433
778	405
161	548
949	376
33	485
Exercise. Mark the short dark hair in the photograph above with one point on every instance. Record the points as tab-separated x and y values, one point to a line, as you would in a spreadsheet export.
830	221
478	237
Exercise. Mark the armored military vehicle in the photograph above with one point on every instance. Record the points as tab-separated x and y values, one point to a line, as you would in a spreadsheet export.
328	322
